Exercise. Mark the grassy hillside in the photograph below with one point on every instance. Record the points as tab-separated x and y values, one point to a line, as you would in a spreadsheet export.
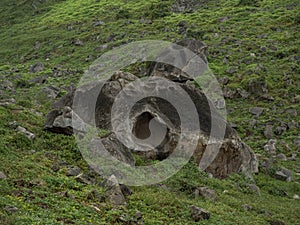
250	43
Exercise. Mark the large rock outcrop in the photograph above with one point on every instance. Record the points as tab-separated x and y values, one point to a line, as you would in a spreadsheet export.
161	116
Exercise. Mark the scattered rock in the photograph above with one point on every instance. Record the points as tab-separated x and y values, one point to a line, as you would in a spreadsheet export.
23	131
39	79
2	176
254	188
281	157
268	132
284	175
50	92
83	178
257	86
247	207
11	209
297	141
78	42
7	102
38	67
292	111
199	214
206	193
281	129
270	147
114	192
257	111
73	171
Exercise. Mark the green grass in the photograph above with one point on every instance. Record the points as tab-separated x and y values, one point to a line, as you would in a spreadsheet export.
46	33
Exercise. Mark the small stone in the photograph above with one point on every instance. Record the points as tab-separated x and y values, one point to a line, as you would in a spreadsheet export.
199	214
253	188
270	147
247	207
297	197
82	178
281	157
11	209
73	171
268	132
23	131
257	111
297	141
284	175
292	111
281	129
114	192
206	193
38	67
78	43
2	176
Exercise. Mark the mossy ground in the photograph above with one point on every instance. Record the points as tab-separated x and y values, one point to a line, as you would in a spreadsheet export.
45	31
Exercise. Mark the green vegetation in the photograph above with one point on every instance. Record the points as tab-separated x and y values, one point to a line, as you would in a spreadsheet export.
255	41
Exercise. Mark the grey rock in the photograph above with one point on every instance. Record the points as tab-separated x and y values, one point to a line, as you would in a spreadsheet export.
73	171
38	67
199	214
257	86
25	132
292	111
270	147
254	188
281	128
257	111
85	179
284	175
281	157
247	207
78	42
39	80
114	192
2	176
268	132
206	193
297	141
50	92
11	209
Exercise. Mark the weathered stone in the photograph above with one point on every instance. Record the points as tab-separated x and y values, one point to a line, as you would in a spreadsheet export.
199	214
38	67
247	207
281	157
283	174
78	43
268	132
281	129
270	147
159	114
2	176
254	188
206	193
11	209
73	171
257	111
114	192
25	132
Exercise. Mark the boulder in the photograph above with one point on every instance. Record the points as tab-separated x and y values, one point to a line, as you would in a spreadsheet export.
199	214
157	115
